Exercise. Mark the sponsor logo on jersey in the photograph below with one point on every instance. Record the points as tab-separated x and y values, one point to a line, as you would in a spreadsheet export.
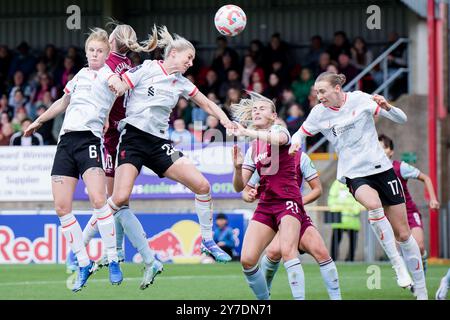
151	91
135	68
341	130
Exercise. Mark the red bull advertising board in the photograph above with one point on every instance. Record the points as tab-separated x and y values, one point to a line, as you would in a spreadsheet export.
37	238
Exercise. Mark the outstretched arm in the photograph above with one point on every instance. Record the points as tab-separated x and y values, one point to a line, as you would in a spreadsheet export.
388	111
434	203
213	109
297	141
272	137
315	193
56	108
118	85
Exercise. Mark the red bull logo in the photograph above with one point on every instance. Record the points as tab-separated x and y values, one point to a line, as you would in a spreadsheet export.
178	244
51	248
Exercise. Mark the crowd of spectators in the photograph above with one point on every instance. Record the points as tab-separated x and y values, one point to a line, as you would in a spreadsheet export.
30	82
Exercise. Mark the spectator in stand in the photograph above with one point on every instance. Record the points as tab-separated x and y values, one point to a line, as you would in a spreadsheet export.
332	68
346	68
283	73
214	132
41	69
258	87
45	85
302	86
361	55
256	51
211	82
221	65
183	110
250	66
324	62
233	96
51	58
233	81
295	118
361	58
18	139
223	68
19	84
62	74
257	77
47	127
223	234
19	116
277	50
73	53
5	62
20	102
287	98
341	44
180	134
4	107
22	61
274	90
6	132
311	59
396	60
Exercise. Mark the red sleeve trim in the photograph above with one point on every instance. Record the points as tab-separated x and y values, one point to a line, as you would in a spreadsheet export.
124	76
193	92
377	110
305	131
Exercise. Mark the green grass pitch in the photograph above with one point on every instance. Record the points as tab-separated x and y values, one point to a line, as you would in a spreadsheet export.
199	282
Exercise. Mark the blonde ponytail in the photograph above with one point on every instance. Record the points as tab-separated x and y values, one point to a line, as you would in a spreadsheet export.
242	111
167	42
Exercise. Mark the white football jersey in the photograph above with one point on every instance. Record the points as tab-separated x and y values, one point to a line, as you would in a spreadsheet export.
351	130
153	95
90	101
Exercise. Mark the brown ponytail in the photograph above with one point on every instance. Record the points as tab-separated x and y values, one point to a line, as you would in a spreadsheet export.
332	78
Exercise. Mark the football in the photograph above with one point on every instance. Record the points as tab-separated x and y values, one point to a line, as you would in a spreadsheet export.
230	20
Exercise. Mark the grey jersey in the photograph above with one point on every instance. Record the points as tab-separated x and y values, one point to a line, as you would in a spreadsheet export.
153	95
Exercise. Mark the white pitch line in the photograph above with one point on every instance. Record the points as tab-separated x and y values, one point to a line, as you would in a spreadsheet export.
161	277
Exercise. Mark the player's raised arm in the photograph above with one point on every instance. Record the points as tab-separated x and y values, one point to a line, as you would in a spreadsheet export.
434	203
213	109
240	175
56	108
389	111
118	85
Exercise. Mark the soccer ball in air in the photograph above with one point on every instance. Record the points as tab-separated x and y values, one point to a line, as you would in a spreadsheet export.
230	20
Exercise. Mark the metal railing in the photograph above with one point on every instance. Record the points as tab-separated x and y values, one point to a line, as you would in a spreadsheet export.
387	80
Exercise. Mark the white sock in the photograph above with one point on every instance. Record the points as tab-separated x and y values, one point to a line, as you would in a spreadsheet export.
296	278
73	234
413	260
204	209
106	226
269	268
90	230
385	235
331	279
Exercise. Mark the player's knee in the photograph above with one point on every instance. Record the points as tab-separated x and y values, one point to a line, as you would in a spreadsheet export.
321	253
248	262
373	204
120	199
202	187
288	252
273	253
403	235
98	201
62	209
